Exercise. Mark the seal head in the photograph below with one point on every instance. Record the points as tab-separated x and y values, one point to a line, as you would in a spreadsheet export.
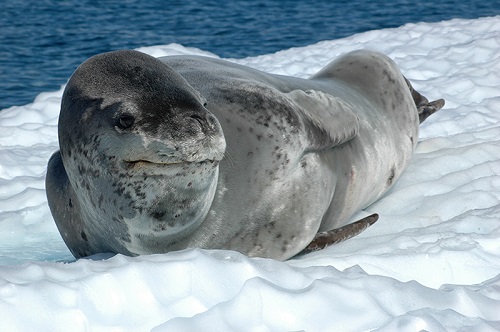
140	150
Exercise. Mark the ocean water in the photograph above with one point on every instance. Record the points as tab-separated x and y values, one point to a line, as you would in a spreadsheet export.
42	42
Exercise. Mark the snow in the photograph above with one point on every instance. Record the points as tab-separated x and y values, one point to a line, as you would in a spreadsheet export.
431	262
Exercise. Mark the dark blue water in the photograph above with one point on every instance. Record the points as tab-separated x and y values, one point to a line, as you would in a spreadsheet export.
43	41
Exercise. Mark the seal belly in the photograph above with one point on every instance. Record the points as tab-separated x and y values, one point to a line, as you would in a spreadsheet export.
369	164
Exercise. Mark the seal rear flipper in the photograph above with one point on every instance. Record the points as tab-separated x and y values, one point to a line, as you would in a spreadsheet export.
424	107
426	110
329	121
327	238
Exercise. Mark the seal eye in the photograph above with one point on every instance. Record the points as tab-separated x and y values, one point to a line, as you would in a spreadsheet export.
125	121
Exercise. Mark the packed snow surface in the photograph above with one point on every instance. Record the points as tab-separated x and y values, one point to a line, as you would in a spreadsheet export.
431	262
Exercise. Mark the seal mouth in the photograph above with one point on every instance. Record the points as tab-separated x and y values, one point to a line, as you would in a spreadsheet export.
149	163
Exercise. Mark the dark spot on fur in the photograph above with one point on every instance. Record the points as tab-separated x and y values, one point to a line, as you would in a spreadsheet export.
84	236
160	227
119	191
391	176
389	77
271	225
158	214
70	203
284	248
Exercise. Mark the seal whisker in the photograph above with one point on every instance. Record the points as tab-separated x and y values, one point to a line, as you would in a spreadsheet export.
227	154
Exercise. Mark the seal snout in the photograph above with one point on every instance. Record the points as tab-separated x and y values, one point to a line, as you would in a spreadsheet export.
206	121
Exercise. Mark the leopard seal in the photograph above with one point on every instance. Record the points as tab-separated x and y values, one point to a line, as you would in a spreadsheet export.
162	154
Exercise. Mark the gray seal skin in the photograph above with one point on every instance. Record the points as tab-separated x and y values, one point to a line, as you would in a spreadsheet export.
181	152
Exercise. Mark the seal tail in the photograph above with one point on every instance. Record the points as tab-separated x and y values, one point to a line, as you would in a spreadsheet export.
424	107
325	239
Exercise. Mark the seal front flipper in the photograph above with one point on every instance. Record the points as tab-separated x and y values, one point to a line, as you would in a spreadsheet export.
329	120
65	207
325	239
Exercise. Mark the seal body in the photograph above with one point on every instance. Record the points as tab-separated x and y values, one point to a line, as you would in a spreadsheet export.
178	152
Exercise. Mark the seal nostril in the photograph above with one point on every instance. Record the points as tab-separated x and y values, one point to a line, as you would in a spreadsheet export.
212	122
198	119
